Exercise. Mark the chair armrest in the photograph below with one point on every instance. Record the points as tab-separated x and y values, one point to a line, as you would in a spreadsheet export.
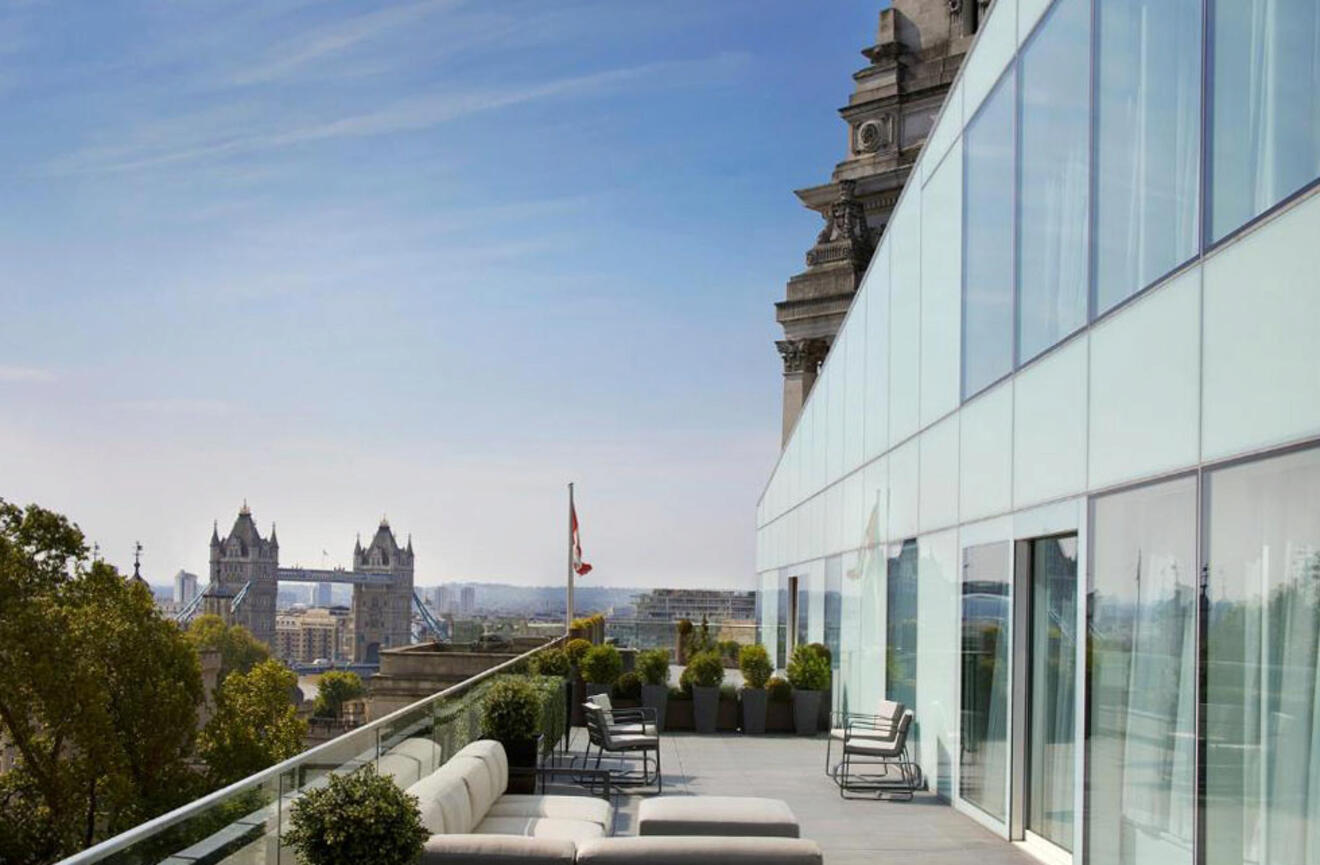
601	775
639	713
870	728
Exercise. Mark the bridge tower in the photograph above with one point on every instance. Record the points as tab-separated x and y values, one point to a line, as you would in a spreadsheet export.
245	558
382	615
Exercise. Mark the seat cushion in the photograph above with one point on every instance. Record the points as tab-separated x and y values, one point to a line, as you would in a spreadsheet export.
716	815
497	761
479	784
541	827
632	740
873	747
496	850
444	801
681	850
587	808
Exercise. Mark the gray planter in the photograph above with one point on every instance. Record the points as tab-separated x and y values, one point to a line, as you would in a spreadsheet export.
806	712
705	707
656	697
754	701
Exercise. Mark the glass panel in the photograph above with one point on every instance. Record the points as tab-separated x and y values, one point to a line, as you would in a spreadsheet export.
1053	184
1148	111
1053	688
803	610
1141	707
781	629
1262	694
871	635
850	621
985	677
988	242
833	607
901	626
1265	133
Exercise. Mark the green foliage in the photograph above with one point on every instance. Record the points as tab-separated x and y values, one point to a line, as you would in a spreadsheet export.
684	627
779	690
335	688
239	650
363	817
754	661
98	695
808	669
653	666
705	669
629	687
602	665
728	692
730	650
576	649
822	650
255	724
700	640
554	712
681	692
511	711
551	662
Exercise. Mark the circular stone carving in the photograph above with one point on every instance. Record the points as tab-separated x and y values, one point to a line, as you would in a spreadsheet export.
868	137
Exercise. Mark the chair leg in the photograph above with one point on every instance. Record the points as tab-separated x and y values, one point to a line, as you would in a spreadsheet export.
659	776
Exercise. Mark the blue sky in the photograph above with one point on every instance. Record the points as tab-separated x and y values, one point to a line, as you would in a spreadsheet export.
430	259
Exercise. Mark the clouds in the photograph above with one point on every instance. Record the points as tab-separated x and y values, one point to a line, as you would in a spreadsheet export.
25	375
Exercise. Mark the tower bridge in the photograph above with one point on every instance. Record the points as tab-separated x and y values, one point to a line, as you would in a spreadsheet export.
245	574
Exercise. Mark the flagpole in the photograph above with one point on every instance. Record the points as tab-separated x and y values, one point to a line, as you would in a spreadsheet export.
568	615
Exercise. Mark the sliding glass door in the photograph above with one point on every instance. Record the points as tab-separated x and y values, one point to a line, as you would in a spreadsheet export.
986	615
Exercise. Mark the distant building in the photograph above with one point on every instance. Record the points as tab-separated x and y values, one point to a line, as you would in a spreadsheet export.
468	600
321	595
382	615
441	599
185	587
244	563
309	635
667	605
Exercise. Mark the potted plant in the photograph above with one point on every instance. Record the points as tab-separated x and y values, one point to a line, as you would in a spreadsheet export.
681	632
362	817
574	651
730	651
705	672
678	714
827	699
627	691
778	706
754	661
601	667
653	667
726	718
809	674
511	715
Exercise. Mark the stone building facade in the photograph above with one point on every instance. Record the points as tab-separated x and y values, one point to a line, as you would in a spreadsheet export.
920	44
243	558
382	615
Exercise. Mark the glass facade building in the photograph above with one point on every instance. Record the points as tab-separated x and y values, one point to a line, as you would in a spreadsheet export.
1057	487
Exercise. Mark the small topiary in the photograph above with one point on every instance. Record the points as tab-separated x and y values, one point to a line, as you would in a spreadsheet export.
822	650
363	817
754	661
552	662
808	669
684	627
576	649
629	687
602	665
705	669
511	712
730	650
653	666
779	690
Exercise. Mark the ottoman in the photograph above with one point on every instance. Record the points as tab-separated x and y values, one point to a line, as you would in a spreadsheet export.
746	816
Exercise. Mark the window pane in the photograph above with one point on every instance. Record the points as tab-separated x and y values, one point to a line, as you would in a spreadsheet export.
901	626
1265	140
1148	110
1054	190
1141	747
834	614
988	242
1262	731
1053	688
985	672
871	638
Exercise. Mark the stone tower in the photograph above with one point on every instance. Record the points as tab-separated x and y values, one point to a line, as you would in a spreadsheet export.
382	615
245	558
919	46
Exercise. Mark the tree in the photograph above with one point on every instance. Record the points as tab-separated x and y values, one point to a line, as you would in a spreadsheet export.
239	650
335	688
98	694
255	724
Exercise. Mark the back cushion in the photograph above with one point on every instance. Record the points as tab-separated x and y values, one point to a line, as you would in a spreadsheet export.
497	762
444	801
479	785
405	770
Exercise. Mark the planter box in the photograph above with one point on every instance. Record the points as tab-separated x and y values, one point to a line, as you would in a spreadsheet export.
778	717
754	707
705	707
626	703
678	716
806	712
727	717
656	697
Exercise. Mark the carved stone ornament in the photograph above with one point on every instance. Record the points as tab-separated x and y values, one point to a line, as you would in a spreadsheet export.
874	135
802	355
955	6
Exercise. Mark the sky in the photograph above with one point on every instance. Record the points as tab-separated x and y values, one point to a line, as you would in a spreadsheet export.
430	260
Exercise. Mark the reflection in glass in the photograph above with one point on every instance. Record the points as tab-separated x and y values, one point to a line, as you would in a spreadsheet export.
1053	688
1141	706
985	677
781	629
1148	114
1054	183
1262	680
988	241
872	636
833	614
803	611
850	602
1265	135
901	626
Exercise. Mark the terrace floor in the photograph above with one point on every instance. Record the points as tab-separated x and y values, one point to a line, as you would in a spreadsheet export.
925	831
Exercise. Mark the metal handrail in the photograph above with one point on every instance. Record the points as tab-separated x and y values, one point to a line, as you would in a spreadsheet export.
145	830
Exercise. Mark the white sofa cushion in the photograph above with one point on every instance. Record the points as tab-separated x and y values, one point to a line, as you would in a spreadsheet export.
686	850
405	770
497	761
716	815
496	850
480	785
587	808
444	801
541	827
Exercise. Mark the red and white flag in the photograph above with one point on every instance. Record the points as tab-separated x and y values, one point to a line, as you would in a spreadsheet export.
580	567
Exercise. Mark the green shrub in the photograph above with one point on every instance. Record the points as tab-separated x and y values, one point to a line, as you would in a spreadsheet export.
333	690
602	665
808	669
576	649
363	817
700	639
512	711
653	666
822	650
684	627
705	669
754	661
730	650
554	712
552	662
779	690
629	687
